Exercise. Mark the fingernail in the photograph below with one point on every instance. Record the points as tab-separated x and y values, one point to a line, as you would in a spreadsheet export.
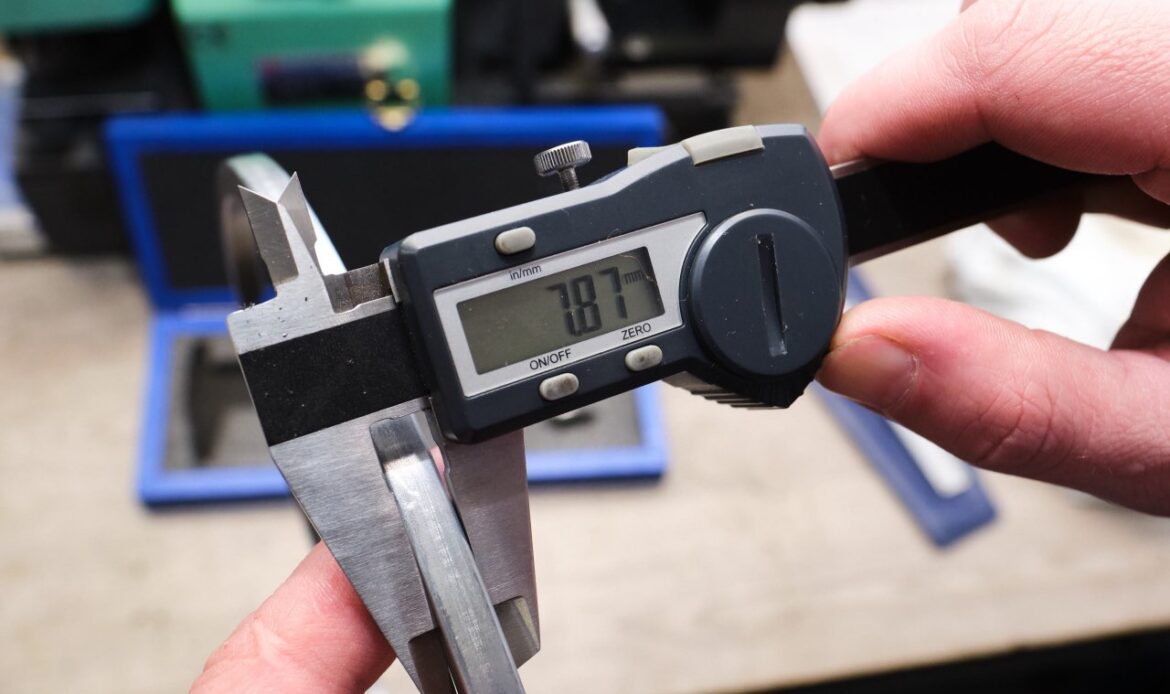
872	370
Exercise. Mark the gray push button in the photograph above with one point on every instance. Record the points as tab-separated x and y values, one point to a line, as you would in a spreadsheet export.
643	358
515	240
559	387
637	154
723	143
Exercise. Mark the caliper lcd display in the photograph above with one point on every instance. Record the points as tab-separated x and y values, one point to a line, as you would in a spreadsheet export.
549	313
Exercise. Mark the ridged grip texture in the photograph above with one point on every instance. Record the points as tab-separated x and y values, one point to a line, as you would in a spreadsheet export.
566	156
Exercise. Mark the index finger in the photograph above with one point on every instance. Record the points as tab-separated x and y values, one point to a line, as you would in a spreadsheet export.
1076	83
313	635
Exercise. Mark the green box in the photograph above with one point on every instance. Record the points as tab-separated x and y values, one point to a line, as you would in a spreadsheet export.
256	54
22	16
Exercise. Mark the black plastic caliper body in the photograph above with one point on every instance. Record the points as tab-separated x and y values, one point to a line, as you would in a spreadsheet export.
718	263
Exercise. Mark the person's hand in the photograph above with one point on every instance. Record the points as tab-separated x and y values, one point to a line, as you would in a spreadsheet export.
312	635
1081	84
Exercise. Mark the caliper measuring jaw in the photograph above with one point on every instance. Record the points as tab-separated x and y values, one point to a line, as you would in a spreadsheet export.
434	536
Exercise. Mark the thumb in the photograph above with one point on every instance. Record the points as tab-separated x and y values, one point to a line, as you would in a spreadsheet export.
1010	399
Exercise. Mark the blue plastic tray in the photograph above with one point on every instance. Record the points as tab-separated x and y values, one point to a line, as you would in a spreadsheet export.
183	312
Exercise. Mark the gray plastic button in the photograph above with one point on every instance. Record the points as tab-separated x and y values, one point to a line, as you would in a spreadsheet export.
515	240
637	154
559	387
643	358
723	143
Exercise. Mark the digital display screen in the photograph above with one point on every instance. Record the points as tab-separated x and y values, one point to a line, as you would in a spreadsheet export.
549	313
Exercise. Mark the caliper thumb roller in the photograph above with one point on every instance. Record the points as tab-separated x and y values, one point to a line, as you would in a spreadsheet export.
393	396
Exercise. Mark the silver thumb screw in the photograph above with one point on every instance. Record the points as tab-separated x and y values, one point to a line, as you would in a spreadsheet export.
563	161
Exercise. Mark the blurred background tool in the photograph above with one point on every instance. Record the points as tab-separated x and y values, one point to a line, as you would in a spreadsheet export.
253	54
119	57
19	234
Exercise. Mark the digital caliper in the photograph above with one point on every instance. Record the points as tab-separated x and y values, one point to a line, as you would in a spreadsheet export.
718	264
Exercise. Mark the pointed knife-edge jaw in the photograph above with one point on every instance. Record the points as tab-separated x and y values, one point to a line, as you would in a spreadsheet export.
335	473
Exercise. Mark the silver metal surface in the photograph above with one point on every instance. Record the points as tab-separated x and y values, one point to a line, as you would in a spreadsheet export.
849	168
337	478
563	161
489	484
246	269
336	473
476	648
306	300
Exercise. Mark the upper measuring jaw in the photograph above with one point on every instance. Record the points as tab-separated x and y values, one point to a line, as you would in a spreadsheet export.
325	372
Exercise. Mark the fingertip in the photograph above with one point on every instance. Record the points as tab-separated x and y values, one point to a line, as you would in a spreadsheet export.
910	107
900	319
1021	74
326	586
1010	399
834	137
872	370
312	634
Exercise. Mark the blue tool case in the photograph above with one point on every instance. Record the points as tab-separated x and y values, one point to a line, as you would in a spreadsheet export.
370	186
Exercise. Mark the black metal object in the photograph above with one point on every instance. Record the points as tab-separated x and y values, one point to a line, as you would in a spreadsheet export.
1133	663
893	205
366	198
74	81
313	382
742	33
675	54
708	33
